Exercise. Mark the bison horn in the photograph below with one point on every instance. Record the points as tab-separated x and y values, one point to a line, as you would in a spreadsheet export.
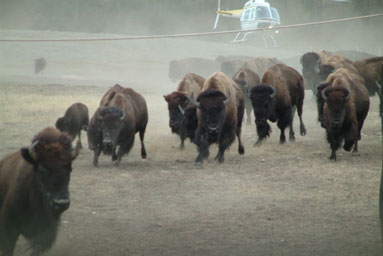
228	99
274	93
123	116
181	110
324	96
76	150
348	94
192	100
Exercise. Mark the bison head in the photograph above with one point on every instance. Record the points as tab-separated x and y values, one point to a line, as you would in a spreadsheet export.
262	100
336	98
51	155
111	120
310	64
211	104
177	102
63	124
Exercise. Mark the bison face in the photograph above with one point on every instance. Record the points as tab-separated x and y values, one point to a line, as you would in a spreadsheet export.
310	64
111	120
212	108
62	124
336	99
52	163
262	101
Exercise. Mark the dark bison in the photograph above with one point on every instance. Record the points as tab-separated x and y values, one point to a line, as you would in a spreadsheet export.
350	75
34	191
311	62
40	64
201	66
345	109
178	101
370	69
280	93
220	108
75	119
125	115
246	79
260	64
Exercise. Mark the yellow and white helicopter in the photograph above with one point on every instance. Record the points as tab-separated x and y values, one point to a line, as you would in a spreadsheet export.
254	14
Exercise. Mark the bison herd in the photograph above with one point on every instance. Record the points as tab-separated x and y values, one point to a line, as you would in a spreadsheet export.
34	181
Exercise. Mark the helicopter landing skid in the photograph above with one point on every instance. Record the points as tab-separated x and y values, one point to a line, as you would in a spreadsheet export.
242	38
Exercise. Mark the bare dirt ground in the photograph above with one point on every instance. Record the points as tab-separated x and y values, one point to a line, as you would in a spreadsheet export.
275	200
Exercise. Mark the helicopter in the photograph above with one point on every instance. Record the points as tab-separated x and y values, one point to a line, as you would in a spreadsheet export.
254	14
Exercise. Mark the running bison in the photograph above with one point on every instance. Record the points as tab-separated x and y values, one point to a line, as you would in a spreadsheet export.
34	191
178	102
75	119
350	75
125	115
311	62
345	109
246	79
220	108
204	67
280	93
370	69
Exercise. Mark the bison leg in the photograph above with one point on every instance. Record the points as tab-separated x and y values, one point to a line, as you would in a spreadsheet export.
79	139
124	149
96	153
8	237
302	125
335	144
291	128
203	147
143	150
226	139
241	149
263	131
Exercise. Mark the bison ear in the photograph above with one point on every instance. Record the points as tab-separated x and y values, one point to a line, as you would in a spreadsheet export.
29	154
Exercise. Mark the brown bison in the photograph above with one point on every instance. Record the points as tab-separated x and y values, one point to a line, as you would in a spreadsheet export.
246	79
220	108
34	191
370	69
178	101
311	62
333	63
345	109
350	75
75	119
260	64
201	66
280	93
125	115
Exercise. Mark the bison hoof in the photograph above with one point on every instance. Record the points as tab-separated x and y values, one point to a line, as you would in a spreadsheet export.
303	131
197	164
241	150
292	138
257	143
